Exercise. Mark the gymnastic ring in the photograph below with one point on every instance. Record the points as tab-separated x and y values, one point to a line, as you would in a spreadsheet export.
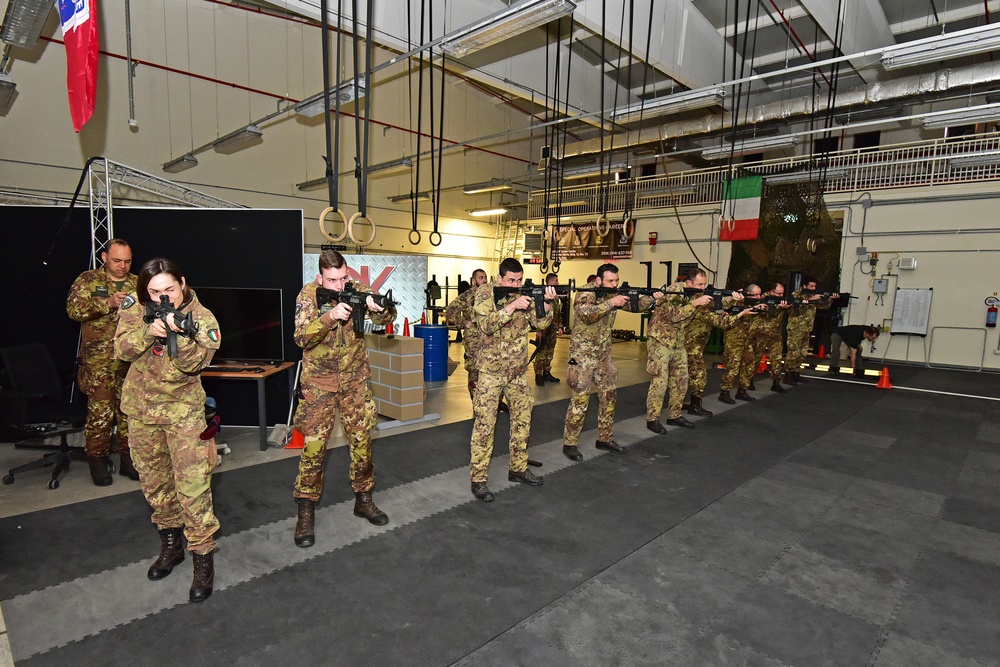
607	226
412	232
350	229
625	233
430	238
322	224
555	266
544	266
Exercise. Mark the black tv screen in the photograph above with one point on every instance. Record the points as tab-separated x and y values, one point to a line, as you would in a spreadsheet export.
249	320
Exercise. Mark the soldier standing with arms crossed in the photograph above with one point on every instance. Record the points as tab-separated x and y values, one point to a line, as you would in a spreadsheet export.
93	301
545	340
590	365
502	360
335	376
165	402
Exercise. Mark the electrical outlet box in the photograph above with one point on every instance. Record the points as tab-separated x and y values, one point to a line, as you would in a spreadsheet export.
881	286
862	250
908	263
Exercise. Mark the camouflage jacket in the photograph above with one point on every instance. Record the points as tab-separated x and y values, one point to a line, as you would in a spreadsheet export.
459	313
504	346
87	303
670	316
158	389
704	319
331	352
556	314
595	318
769	322
807	314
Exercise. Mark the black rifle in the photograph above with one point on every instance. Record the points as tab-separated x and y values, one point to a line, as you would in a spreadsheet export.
633	293
358	301
547	337
530	289
159	311
771	302
717	294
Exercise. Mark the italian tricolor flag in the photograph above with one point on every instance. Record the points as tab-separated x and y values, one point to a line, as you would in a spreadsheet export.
740	209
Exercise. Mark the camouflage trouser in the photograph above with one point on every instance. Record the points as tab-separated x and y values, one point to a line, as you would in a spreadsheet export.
582	379
755	348
473	379
737	354
315	418
546	349
771	346
668	368
175	471
101	382
484	405
697	377
798	343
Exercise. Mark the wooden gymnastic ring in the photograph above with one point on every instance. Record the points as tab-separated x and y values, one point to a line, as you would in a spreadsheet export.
350	229
607	227
625	233
322	224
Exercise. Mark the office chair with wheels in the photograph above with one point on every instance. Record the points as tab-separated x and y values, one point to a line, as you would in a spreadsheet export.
35	407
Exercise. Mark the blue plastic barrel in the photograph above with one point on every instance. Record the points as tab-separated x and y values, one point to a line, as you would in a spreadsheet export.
435	350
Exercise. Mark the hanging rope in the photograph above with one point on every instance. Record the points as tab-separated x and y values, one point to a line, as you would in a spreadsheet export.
409	80
332	157
435	173
361	159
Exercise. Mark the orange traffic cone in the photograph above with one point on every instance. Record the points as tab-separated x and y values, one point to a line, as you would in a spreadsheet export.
423	317
297	441
883	379
822	352
406	326
762	366
389	331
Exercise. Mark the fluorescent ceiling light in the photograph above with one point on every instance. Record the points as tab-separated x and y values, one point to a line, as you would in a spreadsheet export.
660	106
7	90
567	204
864	114
749	146
23	22
484	212
180	164
519	17
314	184
312	106
389	168
590	171
978	160
494	185
968	116
238	140
413	196
805	176
943	47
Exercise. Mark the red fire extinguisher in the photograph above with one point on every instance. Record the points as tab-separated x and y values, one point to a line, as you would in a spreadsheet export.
991	311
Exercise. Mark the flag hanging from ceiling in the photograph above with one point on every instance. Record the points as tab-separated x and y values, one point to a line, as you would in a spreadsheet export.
740	209
79	26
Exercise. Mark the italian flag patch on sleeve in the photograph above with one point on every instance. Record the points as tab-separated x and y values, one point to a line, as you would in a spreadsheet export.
213	335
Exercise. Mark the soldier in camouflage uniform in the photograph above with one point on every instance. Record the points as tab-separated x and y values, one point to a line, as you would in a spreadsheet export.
165	403
545	340
800	326
502	361
459	313
696	334
335	376
770	323
739	354
666	359
93	301
590	365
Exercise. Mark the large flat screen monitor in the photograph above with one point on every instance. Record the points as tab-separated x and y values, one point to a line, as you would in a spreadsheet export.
249	320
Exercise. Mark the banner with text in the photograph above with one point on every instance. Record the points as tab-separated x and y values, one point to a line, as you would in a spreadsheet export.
581	241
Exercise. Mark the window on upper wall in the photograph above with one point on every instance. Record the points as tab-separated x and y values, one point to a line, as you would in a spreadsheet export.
648	169
753	158
956	131
867	140
827	145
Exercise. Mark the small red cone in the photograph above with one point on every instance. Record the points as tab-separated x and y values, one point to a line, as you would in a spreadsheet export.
762	366
389	330
297	441
406	326
883	379
423	318
822	352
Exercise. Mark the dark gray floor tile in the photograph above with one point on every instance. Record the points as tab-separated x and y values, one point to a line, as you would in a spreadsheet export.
719	650
847	458
989	431
951	603
895	523
797	504
972	513
795	631
972	543
899	651
932	477
811	477
981	468
516	648
862	547
900	497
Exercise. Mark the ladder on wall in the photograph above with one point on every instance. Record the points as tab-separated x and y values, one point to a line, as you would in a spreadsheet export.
505	244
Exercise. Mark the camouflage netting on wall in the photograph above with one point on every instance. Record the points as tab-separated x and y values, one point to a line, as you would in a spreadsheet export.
796	233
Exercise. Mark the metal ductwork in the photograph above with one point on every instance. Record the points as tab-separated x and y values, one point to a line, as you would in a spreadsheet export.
23	22
876	93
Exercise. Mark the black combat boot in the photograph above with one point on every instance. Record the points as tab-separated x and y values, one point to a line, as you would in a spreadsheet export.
171	553
572	452
656	427
305	525
482	492
609	446
204	577
366	508
524	477
680	421
776	386
125	467
549	377
742	395
540	379
696	408
799	379
724	397
790	379
752	387
99	471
